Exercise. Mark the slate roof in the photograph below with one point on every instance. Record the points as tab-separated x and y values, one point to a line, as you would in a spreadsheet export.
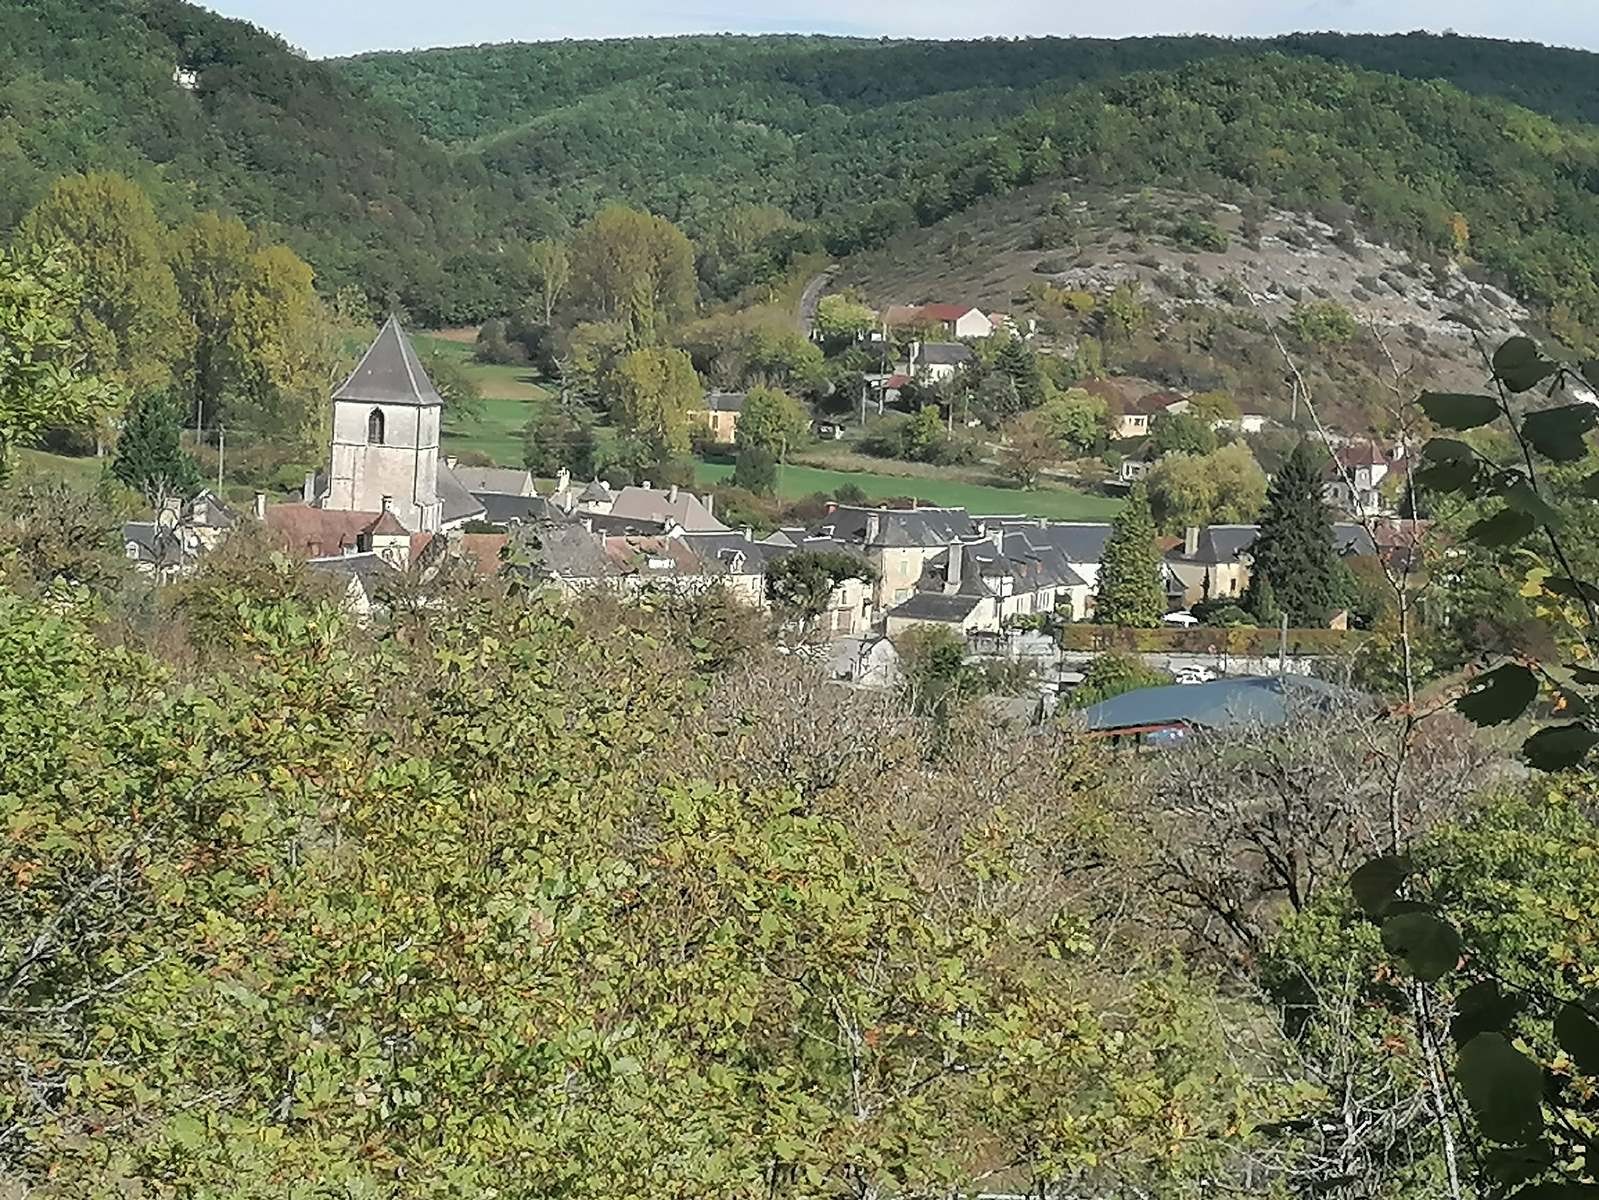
208	509
456	503
728	402
936	606
718	549
390	373
1076	541
595	492
656	504
612	523
371	570
500	481
898	526
1227	543
502	509
1219	544
572	552
1218	705
154	544
944	354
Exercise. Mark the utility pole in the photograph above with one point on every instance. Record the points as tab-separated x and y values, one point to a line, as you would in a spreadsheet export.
222	453
1282	648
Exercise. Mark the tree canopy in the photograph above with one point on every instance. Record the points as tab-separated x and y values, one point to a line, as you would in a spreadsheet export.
1130	591
1295	547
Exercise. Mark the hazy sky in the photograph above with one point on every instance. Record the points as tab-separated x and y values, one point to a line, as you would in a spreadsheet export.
328	27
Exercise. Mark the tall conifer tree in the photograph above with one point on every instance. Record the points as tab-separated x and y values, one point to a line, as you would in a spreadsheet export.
1294	551
150	456
1130	592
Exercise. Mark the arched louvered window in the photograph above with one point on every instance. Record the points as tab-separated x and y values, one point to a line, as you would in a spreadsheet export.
374	427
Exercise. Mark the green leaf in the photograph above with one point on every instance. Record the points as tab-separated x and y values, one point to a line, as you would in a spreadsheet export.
1482	1008
1556	433
1456	476
1375	883
1522	496
1504	528
1501	695
1459	410
1513	1164
1559	747
1515	352
1575	589
1520	366
1428	945
1442	450
1558	1191
1578	1035
1503	1087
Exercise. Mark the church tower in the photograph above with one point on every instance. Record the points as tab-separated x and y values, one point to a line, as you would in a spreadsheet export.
386	436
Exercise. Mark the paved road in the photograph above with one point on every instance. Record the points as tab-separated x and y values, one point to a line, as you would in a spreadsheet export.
811	297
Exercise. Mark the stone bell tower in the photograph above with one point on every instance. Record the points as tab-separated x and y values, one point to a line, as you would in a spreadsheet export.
386	435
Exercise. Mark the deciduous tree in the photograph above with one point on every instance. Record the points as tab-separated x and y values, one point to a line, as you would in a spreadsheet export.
635	269
44	379
656	391
772	421
130	322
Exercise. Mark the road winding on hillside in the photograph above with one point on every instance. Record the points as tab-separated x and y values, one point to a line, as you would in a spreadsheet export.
811	297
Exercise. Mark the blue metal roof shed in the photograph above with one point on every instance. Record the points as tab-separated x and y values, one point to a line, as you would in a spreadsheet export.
1249	700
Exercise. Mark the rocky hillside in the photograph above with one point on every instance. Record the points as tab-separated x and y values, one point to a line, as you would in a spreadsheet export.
1211	277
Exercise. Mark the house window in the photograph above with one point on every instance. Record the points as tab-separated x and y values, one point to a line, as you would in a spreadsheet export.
374	427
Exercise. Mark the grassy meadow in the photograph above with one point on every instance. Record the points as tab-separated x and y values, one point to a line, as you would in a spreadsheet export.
1059	503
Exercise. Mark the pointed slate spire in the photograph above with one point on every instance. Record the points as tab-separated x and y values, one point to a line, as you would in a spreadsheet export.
390	373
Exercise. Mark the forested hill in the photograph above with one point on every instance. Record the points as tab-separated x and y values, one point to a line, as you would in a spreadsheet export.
461	94
288	144
411	175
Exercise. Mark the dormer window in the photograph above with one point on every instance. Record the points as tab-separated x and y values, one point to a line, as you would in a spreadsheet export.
374	427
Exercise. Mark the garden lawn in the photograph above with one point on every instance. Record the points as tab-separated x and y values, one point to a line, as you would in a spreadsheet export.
1060	503
508	395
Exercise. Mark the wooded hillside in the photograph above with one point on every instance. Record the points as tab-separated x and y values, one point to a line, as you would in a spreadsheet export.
409	175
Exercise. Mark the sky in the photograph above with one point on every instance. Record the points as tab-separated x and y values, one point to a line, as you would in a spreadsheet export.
325	28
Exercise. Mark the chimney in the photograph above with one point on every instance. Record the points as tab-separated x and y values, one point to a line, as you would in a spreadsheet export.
563	480
450	461
832	507
997	536
749	533
308	489
170	510
313	549
709	500
260	506
588	524
671	494
1043	522
874	527
952	573
648	485
387	504
1191	541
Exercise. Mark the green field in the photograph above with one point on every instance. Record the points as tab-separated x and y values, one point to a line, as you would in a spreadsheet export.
1062	504
508	393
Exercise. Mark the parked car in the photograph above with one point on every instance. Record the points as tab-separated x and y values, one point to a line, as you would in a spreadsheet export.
1194	675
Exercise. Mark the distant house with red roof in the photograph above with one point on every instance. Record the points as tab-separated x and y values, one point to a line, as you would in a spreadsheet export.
1353	481
959	321
1133	418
